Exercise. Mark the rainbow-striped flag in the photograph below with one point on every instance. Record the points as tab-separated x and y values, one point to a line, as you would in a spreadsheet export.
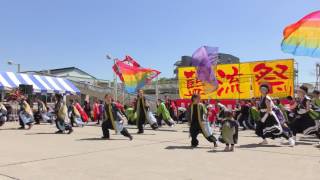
303	37
133	75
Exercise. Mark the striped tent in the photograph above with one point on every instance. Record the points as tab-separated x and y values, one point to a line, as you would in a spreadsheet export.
41	84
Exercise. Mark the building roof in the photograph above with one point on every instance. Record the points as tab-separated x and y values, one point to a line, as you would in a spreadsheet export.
61	70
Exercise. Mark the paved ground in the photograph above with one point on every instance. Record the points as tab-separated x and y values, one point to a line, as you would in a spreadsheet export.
165	154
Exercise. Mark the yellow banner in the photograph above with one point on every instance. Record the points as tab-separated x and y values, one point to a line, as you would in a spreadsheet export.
241	81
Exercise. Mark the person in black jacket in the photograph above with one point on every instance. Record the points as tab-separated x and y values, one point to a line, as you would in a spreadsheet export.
303	122
142	108
113	119
198	122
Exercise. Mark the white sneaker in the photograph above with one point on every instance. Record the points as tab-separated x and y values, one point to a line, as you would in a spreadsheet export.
292	142
264	142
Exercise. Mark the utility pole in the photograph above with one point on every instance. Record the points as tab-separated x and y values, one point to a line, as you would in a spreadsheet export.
115	83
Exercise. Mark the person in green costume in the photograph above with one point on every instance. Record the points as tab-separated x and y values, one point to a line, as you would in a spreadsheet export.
129	111
254	112
229	131
164	114
315	103
316	99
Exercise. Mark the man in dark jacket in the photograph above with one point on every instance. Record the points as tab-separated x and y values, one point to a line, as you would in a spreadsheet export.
113	119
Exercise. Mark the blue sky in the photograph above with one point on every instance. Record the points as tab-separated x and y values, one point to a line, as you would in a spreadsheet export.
42	34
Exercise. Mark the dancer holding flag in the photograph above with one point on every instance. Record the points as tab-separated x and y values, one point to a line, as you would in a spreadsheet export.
135	77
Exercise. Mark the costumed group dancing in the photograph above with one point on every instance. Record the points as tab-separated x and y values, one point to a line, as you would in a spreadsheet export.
266	116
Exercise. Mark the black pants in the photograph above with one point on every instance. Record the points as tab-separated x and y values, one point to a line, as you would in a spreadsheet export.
245	121
302	123
2	120
106	125
194	131
72	121
159	121
37	117
141	121
287	133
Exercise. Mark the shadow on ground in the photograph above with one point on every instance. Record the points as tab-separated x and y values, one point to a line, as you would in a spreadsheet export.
46	133
218	151
100	139
10	129
256	146
185	147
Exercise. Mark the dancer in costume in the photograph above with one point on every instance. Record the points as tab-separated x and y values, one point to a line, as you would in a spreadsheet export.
222	108
143	113
96	111
229	131
172	108
113	119
197	118
291	109
164	114
303	122
315	104
316	108
269	125
281	107
316	99
42	111
62	120
254	112
283	117
25	114
87	110
129	111
84	115
3	114
101	110
212	116
243	117
74	115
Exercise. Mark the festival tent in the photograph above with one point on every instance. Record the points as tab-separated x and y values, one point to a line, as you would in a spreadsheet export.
41	84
